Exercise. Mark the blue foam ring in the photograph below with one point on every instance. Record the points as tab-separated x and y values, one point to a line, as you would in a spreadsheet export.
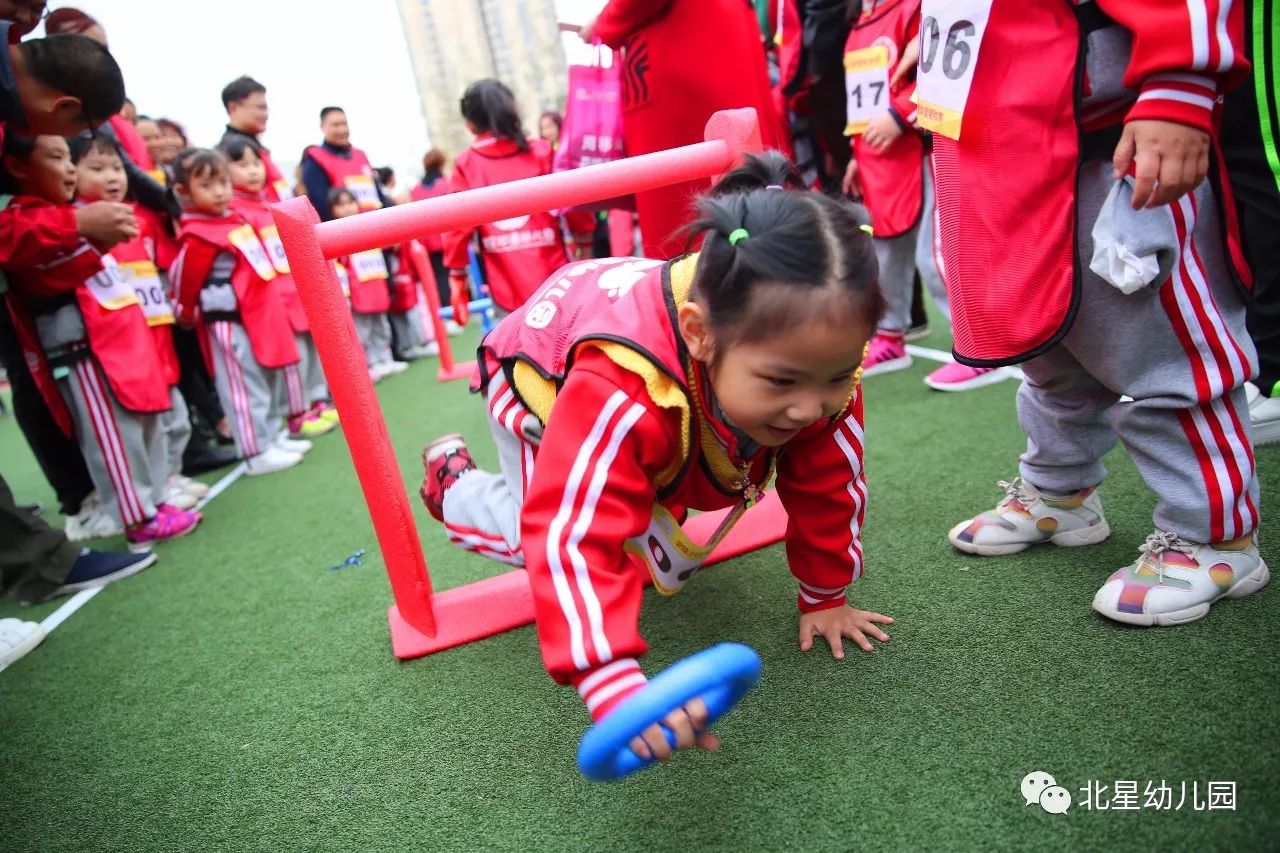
721	675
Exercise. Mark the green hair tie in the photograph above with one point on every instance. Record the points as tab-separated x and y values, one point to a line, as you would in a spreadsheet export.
737	235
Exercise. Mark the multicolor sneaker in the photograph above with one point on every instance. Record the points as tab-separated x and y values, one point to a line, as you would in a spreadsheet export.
954	376
325	411
169	522
445	460
1027	517
309	425
887	353
1175	581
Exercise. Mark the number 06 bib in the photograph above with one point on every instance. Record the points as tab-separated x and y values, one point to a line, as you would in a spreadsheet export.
951	34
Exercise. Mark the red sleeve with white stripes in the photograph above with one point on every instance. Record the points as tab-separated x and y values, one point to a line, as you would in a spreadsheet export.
821	484
593	489
188	273
1185	52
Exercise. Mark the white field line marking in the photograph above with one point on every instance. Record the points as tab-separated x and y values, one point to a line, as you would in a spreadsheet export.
945	358
57	617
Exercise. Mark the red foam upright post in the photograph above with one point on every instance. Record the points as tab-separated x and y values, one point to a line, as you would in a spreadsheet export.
363	426
422	268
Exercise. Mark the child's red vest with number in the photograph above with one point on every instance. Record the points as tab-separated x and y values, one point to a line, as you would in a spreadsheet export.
137	260
369	281
278	187
261	309
404	284
352	172
115	326
255	209
892	179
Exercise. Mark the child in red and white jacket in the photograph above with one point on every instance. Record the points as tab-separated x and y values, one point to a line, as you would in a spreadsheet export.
627	392
306	394
101	176
92	331
518	254
224	282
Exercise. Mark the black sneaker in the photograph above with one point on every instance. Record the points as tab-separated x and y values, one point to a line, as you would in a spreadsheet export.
99	568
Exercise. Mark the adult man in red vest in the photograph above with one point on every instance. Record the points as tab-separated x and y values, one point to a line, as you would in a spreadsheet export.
245	101
337	163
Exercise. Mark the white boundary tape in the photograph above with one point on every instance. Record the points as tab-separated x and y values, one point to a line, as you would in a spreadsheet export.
81	598
945	358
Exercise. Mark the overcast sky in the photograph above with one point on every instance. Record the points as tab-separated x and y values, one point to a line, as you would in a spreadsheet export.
177	57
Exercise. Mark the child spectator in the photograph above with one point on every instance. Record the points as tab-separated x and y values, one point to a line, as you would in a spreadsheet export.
306	393
520	253
101	176
94	335
224	278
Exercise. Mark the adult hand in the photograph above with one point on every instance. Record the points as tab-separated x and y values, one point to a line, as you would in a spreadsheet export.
106	223
1169	160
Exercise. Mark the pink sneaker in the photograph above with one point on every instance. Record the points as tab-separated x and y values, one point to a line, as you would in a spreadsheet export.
169	522
955	376
887	353
309	425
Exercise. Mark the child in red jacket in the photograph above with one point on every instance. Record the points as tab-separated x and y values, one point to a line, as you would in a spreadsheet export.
94	335
306	395
627	392
518	253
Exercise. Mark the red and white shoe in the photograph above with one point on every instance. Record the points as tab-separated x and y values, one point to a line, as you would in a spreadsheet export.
445	461
886	354
954	376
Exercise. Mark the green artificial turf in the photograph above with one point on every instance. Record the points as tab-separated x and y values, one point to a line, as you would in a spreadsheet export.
242	695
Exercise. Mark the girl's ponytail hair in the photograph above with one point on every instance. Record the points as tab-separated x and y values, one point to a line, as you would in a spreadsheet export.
775	256
491	108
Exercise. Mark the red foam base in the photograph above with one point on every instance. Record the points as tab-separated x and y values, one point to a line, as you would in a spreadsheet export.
491	606
465	370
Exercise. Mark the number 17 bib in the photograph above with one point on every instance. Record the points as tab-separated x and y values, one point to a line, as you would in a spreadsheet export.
950	38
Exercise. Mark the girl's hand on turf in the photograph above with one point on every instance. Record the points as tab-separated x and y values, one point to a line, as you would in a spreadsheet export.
689	723
836	623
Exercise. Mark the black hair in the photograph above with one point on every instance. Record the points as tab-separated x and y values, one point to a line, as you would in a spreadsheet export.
385	174
79	67
18	146
197	162
325	112
491	108
235	146
239	89
336	194
769	245
86	143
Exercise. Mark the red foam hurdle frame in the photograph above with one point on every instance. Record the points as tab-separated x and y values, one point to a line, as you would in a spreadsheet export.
422	621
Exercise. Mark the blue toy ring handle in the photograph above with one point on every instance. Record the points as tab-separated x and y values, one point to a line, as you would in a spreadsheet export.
721	675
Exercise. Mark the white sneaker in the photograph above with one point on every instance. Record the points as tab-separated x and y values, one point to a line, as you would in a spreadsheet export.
430	349
17	638
391	368
195	488
1175	581
452	329
299	446
182	500
1026	517
92	522
271	460
1265	414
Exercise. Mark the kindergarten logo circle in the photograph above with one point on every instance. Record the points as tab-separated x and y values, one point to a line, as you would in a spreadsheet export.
1040	787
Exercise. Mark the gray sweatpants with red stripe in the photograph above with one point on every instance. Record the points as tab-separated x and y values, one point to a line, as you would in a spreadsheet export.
302	384
246	389
900	257
1181	352
482	509
126	452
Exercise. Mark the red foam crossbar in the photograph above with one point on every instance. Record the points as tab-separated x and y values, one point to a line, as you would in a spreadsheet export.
482	609
447	371
308	244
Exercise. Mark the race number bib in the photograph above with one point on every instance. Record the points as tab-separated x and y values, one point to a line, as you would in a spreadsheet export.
245	239
344	281
284	192
671	556
866	85
950	38
109	288
369	264
145	280
362	188
275	249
